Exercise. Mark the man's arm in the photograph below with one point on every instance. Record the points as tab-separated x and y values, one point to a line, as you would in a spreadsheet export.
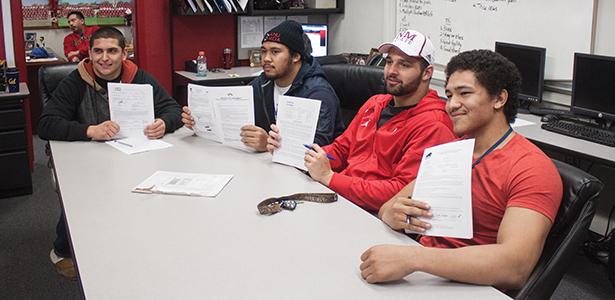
506	264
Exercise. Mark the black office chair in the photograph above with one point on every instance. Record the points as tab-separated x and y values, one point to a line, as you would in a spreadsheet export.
568	232
50	76
354	84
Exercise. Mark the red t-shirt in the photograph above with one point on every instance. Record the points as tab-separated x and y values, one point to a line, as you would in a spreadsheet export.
517	175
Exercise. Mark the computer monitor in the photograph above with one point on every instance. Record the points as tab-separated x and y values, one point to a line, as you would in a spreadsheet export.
593	86
318	35
531	64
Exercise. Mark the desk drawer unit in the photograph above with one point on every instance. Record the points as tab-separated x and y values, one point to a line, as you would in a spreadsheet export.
15	178
12	118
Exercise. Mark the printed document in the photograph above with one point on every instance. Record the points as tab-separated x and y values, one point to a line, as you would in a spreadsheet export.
297	120
137	145
251	32
220	112
132	107
189	184
272	21
444	181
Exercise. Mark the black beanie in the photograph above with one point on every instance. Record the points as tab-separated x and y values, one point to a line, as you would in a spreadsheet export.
289	33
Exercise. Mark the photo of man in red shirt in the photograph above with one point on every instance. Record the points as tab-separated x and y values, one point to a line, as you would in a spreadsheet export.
77	43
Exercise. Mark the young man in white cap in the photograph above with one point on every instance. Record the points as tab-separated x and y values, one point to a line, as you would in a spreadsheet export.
380	151
514	185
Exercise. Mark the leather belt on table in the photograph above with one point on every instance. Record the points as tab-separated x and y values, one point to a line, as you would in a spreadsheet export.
275	205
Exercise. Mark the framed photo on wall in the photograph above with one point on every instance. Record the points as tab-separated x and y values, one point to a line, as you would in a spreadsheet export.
255	58
30	36
30	45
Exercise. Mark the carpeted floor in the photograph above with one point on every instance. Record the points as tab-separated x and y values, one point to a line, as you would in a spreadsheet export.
27	230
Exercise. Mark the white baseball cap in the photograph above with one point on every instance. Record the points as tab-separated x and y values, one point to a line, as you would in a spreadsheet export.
412	43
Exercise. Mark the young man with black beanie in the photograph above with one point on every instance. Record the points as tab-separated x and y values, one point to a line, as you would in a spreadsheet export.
287	70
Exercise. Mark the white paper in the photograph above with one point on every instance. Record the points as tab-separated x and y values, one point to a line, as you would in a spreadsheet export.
201	5
220	112
227	5
202	110
192	5
137	145
132	107
298	19
243	4
190	184
235	109
233	5
297	120
520	122
208	6
272	21
444	181
251	32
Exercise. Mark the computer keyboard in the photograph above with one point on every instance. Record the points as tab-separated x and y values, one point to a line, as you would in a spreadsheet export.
581	131
541	111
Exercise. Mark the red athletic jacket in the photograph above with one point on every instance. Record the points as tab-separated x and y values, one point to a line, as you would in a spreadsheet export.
74	42
373	164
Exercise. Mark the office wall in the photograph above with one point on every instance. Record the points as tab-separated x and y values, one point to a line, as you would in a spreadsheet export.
604	41
367	23
210	33
152	39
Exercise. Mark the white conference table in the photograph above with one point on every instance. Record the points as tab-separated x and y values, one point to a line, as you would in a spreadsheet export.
139	246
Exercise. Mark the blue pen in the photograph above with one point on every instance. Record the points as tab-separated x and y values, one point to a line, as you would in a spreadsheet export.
329	156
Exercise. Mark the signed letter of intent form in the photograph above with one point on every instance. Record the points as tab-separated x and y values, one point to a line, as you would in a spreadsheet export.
445	182
297	120
132	107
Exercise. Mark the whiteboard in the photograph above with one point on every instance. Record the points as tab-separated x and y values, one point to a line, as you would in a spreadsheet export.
561	26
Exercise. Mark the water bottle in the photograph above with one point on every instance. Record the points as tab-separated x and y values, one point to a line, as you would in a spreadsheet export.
201	64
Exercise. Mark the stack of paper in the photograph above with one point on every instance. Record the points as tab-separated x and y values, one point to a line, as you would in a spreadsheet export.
189	184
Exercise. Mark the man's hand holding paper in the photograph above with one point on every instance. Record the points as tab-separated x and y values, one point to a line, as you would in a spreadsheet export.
155	130
103	131
444	181
403	212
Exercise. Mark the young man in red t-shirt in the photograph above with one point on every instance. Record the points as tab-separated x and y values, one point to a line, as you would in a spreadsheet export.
77	43
516	189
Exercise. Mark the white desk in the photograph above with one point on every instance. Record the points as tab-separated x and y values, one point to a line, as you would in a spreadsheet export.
233	73
233	76
136	246
597	152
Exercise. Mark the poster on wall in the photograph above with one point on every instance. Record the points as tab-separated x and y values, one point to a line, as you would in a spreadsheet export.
52	13
96	12
36	13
